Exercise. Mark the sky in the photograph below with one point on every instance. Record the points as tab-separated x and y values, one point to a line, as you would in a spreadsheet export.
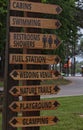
79	58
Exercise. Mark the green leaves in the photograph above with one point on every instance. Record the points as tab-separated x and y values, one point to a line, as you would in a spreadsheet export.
68	31
3	12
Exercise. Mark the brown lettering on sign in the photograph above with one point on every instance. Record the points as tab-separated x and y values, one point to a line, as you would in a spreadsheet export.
34	41
34	22
27	58
21	5
26	36
45	75
34	74
34	90
15	21
33	59
33	105
20	44
29	75
35	7
33	121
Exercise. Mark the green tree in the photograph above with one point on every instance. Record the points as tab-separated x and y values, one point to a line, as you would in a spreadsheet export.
3	13
68	31
69	21
81	44
79	14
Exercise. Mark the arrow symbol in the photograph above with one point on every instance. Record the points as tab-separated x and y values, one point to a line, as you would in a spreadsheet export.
56	104
58	9
14	90
57	60
56	88
58	24
15	74
13	106
56	73
55	119
14	121
56	41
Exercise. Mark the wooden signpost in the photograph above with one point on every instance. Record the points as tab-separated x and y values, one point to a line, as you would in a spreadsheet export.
33	59
20	106
25	35
34	22
34	41
34	90
34	74
33	121
35	7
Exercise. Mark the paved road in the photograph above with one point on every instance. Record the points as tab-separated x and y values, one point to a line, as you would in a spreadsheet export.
73	89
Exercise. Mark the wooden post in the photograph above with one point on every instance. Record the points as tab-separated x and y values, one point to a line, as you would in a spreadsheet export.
13	72
8	81
28	51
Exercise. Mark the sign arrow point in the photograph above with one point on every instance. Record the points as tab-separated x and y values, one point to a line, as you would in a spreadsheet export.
56	73
56	104
14	90
58	9
57	60
57	41
55	119
14	121
15	74
14	105
57	24
56	88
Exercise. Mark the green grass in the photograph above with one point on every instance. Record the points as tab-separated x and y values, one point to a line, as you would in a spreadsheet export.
61	81
0	121
1	83
68	114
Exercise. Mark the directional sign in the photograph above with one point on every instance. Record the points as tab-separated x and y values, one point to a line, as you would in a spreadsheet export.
34	74
35	7
34	90
34	22
33	121
33	59
33	105
34	40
